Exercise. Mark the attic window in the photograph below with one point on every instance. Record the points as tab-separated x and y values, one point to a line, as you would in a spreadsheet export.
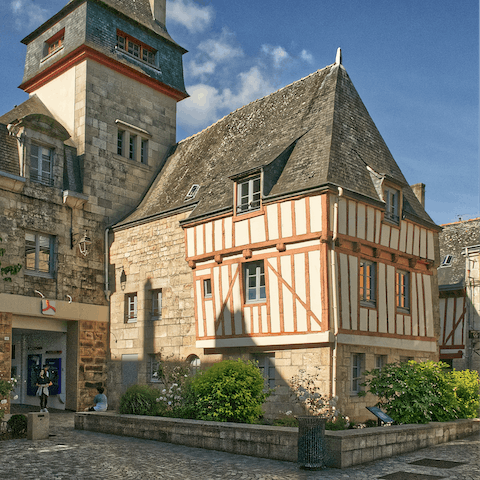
392	205
447	261
248	195
192	192
55	43
135	48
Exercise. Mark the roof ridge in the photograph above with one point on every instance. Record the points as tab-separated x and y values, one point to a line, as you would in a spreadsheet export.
255	101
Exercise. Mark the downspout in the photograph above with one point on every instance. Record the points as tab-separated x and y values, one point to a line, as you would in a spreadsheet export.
335	292
107	284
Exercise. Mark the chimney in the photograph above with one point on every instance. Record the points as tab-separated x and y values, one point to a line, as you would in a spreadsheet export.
419	191
159	8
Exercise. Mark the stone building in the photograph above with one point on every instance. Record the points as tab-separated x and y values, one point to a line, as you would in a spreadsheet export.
284	233
459	288
103	78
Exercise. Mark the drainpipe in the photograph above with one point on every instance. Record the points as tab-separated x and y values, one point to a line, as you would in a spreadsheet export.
107	285
335	292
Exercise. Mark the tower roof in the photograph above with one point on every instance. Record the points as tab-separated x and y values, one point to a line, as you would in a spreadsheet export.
315	133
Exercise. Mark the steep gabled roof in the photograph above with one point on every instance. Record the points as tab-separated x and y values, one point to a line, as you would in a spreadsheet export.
316	130
29	107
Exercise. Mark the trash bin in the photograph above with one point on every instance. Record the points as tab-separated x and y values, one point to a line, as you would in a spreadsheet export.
38	425
311	442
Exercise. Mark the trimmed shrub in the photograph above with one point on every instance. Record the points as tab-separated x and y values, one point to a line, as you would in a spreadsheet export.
412	392
228	391
17	425
140	400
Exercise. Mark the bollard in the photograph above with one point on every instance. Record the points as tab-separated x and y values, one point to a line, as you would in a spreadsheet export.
38	424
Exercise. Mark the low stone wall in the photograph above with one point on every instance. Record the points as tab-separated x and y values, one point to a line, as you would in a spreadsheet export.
343	449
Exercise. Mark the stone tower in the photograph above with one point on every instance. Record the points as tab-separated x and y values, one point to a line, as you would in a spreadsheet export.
111	75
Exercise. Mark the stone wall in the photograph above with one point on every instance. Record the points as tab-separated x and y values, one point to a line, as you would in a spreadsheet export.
343	449
5	352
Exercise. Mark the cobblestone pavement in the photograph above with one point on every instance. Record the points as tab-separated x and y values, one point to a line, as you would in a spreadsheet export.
72	454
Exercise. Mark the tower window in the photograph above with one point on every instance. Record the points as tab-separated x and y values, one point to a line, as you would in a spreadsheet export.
135	48
55	43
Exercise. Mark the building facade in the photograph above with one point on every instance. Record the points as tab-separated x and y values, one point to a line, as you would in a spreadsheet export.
103	78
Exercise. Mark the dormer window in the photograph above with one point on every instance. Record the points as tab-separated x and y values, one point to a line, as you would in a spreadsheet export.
249	195
392	205
135	48
41	164
55	43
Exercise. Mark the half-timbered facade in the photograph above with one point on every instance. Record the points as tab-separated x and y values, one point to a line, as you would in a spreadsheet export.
306	248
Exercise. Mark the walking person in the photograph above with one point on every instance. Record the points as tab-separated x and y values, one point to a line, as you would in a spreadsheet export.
43	383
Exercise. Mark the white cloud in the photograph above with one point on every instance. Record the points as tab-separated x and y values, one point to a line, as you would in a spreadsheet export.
207	104
278	54
200	69
192	16
306	56
221	48
27	14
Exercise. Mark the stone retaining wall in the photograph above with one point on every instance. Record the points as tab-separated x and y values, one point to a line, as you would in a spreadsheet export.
344	448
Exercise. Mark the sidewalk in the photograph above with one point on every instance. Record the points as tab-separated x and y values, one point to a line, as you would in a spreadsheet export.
72	454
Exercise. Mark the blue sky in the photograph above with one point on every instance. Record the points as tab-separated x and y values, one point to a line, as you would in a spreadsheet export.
414	63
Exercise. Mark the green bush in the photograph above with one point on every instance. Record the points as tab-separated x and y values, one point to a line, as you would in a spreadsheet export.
140	400
285	422
228	391
466	390
17	425
424	392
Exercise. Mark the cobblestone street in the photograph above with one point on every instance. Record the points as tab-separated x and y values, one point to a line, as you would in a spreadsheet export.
72	454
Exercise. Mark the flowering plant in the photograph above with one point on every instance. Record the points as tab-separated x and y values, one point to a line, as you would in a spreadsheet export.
305	389
6	387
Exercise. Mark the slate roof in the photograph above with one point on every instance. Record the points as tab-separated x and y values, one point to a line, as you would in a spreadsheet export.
31	106
9	160
311	134
453	239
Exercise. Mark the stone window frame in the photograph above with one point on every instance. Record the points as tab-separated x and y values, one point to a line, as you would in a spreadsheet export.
131	307
259	289
266	364
357	366
37	250
137	150
368	294
42	176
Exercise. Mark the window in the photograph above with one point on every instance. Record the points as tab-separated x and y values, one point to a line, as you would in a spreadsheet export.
54	43
447	261
357	361
135	48
41	164
392	205
120	142
248	195
131	301
367	283
192	192
131	147
156	307
380	361
39	253
207	288
403	290
254	273
144	151
266	364
153	365
405	359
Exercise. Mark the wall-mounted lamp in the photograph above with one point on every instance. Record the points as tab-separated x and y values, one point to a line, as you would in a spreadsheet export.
83	243
123	279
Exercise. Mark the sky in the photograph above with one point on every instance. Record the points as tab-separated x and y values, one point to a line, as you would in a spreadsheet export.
415	64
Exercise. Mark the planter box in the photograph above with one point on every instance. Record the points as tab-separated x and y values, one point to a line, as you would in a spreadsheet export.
343	449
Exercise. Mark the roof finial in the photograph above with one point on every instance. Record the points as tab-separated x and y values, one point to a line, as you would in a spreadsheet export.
338	59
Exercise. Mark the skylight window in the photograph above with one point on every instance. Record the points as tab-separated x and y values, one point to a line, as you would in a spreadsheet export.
192	192
447	261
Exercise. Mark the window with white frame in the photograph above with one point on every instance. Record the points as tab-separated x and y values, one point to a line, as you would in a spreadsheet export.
143	151
120	142
254	276
249	195
357	366
132	146
39	253
41	164
367	283
207	288
380	361
156	304
135	48
447	261
392	205
403	290
266	364
131	307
